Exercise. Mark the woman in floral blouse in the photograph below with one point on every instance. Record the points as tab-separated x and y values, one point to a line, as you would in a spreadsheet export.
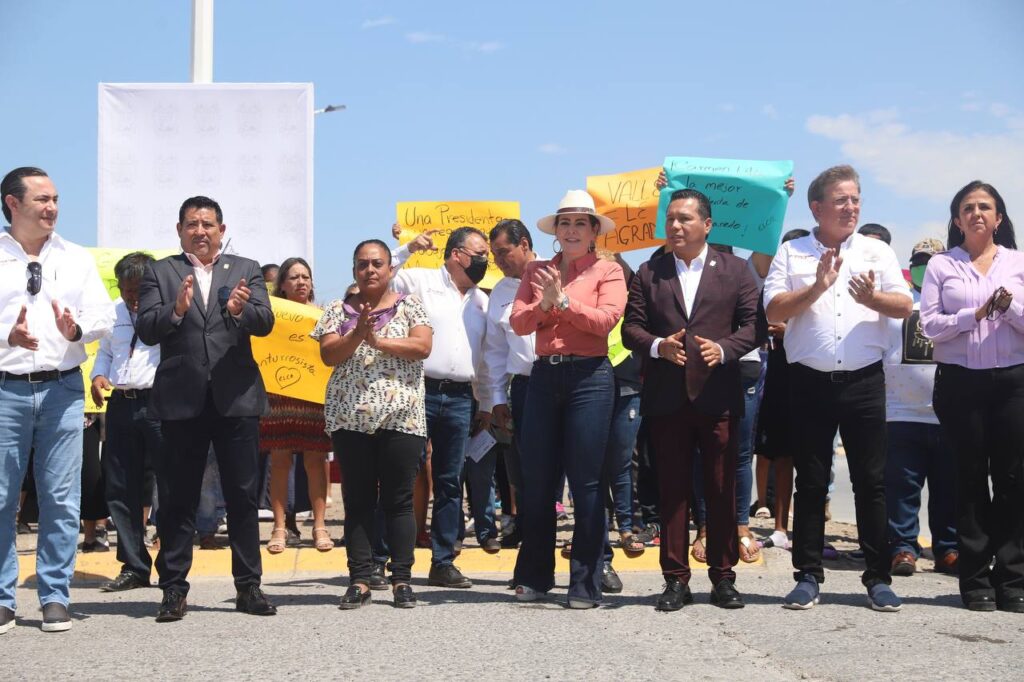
376	341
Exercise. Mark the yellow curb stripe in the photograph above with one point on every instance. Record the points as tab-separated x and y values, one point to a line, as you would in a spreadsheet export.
98	567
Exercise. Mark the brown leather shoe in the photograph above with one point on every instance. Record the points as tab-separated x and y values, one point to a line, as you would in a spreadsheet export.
904	564
948	563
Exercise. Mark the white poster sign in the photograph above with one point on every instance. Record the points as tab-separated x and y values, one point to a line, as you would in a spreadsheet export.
249	146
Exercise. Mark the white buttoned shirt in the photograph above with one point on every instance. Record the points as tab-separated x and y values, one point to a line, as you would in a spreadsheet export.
124	365
835	333
70	278
689	280
460	326
505	352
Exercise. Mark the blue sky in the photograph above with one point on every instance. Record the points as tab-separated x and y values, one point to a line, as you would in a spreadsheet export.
521	101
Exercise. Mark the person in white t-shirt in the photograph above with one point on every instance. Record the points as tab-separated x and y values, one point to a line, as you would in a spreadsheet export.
918	448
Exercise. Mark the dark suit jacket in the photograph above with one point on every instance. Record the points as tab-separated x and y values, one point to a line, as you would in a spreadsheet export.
724	311
208	349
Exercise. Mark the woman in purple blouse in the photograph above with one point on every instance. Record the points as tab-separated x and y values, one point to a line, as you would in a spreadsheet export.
972	308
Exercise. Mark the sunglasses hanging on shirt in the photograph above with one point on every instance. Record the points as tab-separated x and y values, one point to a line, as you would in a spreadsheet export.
35	278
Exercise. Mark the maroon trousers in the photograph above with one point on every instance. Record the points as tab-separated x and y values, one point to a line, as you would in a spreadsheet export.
676	438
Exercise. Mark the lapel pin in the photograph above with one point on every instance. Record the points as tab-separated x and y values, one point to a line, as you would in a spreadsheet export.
712	263
227	265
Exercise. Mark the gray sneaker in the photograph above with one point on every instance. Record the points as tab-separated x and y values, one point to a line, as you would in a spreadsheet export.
56	618
6	619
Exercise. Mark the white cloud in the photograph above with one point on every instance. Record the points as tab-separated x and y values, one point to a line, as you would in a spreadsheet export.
377	23
727	107
487	46
551	148
421	37
932	164
770	111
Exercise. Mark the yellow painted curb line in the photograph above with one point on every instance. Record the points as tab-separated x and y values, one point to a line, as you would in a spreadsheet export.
212	563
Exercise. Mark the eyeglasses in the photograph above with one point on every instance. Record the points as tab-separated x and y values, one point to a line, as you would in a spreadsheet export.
840	202
35	278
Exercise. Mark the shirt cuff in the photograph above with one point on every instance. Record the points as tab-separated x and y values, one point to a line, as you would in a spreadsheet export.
721	351
176	318
654	348
965	320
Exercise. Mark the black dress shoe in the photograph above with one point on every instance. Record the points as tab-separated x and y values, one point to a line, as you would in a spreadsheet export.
127	580
980	602
726	596
354	597
404	598
448	576
1013	604
172	607
610	581
377	579
491	545
512	540
251	600
676	595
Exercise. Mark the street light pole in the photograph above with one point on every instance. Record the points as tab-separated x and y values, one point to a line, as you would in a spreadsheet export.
329	108
202	41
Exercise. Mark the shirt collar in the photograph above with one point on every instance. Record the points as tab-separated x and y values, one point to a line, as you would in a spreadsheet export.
54	240
846	243
578	265
196	263
697	263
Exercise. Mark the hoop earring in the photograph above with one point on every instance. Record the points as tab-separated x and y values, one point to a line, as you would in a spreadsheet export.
553	243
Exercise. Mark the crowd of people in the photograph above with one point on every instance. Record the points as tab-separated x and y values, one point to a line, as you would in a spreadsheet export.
648	393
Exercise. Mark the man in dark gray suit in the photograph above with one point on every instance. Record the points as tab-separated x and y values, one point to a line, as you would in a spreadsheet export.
201	307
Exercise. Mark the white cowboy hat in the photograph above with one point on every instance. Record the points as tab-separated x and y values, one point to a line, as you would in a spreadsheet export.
575	201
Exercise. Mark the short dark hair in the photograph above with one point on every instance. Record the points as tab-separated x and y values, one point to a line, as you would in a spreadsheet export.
514	230
1004	235
282	273
876	230
830	176
795	233
458	237
200	202
267	267
720	248
132	266
703	204
14	184
367	242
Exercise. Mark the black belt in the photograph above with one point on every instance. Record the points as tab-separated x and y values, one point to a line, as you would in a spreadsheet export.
844	377
559	359
130	393
447	385
39	377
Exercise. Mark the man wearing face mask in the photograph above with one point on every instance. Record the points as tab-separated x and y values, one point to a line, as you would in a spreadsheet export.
918	450
455	374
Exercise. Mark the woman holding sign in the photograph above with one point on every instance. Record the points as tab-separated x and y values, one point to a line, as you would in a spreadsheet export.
296	427
972	308
376	340
572	302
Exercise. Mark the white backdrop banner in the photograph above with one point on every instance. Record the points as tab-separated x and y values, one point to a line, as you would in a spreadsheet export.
249	146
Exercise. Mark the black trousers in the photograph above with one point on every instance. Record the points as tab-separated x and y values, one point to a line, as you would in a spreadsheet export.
134	446
94	506
982	414
855	404
380	466
236	444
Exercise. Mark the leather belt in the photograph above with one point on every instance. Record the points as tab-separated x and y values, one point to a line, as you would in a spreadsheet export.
845	377
559	359
447	385
130	393
39	377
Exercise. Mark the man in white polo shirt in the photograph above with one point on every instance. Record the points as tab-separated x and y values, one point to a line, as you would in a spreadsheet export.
836	290
52	303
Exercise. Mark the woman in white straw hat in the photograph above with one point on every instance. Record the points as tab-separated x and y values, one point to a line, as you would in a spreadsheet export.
572	302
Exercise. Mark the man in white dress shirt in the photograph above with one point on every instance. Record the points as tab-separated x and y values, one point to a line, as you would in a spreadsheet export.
134	442
455	375
836	290
509	357
52	304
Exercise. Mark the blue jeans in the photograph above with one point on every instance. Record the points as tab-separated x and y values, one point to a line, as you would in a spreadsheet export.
211	507
619	457
46	417
565	420
480	477
449	415
917	452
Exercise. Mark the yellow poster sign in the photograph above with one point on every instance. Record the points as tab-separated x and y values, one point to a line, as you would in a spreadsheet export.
439	218
631	200
288	359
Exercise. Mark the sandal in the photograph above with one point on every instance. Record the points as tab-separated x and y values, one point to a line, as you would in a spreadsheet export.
322	540
277	540
631	547
650	536
750	552
698	551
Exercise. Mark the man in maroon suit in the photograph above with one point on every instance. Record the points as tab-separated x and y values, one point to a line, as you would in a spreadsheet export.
693	313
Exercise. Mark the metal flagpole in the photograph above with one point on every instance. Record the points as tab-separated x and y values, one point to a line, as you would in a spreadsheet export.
202	41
